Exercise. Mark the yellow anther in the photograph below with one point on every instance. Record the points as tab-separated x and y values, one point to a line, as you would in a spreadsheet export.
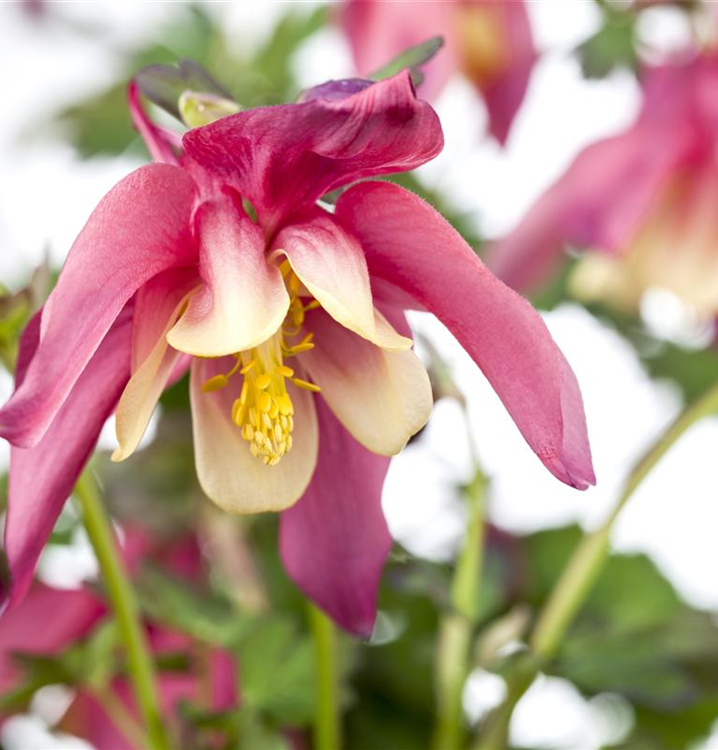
307	386
244	395
274	410
264	401
215	383
262	381
313	305
285	371
299	348
239	411
248	367
285	405
248	432
295	285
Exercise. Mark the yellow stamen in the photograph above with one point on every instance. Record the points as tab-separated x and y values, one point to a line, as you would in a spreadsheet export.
264	411
215	383
306	385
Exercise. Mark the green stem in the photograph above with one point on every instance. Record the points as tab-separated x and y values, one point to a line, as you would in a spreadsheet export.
457	627
327	724
119	590
581	572
587	561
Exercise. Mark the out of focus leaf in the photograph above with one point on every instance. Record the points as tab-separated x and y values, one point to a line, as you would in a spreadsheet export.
635	637
173	602
278	671
611	47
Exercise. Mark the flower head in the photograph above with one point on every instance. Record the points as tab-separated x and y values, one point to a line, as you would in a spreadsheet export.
641	202
489	41
290	318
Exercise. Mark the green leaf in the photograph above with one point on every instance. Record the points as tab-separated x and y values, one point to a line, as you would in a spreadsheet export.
277	666
174	603
412	58
613	46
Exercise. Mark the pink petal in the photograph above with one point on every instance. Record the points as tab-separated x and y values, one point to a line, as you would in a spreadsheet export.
140	228
602	199
159	141
331	265
334	541
42	477
284	158
503	96
25	628
243	300
410	245
379	31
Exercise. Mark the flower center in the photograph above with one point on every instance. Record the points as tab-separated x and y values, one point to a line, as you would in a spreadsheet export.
264	411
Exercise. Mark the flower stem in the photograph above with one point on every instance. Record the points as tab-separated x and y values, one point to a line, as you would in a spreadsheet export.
119	590
457	626
582	570
327	724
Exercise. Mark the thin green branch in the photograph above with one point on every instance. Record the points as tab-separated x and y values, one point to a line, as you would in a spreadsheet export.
327	720
119	590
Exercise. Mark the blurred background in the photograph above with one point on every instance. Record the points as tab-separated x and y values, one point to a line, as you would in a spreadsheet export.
641	666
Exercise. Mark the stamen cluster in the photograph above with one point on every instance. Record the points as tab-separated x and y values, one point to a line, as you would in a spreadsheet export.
264	411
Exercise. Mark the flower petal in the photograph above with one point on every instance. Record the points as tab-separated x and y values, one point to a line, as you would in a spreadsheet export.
334	541
331	265
504	94
243	300
140	228
382	398
25	628
602	199
229	474
42	477
286	157
158	305
410	245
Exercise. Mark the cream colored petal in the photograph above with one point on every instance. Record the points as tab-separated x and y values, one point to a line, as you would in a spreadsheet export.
142	392
243	300
331	265
381	397
228	473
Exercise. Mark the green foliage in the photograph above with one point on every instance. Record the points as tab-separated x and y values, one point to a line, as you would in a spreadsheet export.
634	637
278	671
101	123
613	46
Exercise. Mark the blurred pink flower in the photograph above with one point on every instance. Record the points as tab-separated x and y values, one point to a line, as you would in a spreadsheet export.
644	200
75	616
173	272
489	41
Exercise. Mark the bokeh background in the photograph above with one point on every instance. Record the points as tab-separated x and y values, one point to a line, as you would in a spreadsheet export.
64	143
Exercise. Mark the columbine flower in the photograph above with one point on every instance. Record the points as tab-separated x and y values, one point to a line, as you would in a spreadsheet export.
644	201
302	381
489	41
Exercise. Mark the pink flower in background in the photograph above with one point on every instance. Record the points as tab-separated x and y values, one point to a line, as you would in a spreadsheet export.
644	201
489	41
75	616
291	321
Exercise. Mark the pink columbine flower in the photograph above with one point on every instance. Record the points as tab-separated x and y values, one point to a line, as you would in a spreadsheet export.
489	41
303	381
644	200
